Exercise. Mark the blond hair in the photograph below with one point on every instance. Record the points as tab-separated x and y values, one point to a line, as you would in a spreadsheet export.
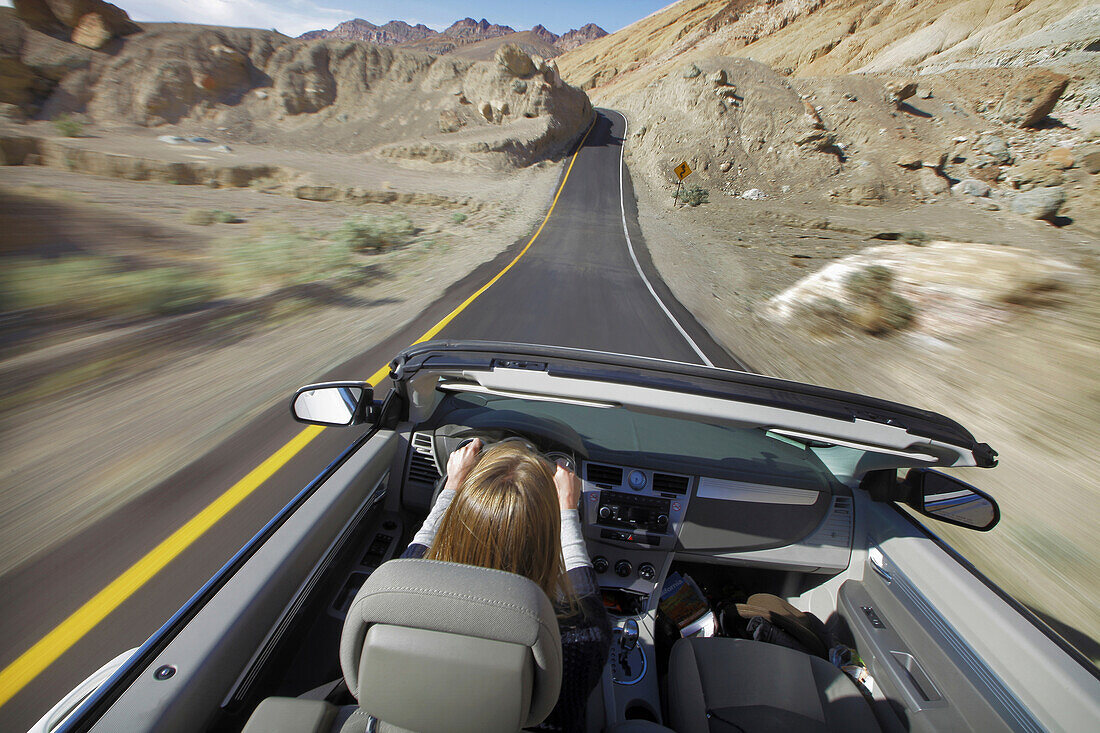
505	516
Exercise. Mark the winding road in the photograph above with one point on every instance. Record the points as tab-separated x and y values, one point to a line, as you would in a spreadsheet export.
585	280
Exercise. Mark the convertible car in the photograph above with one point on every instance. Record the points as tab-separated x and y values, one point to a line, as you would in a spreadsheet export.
745	484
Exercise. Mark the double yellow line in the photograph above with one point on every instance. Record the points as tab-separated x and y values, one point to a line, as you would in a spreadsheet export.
49	648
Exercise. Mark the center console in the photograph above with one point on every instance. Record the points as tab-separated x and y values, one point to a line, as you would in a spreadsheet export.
631	518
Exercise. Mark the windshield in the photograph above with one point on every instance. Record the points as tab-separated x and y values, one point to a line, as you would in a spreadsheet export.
618	435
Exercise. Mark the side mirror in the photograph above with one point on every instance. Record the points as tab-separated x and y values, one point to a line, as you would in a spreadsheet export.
333	403
947	499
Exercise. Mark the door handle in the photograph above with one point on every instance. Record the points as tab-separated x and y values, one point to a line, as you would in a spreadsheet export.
878	564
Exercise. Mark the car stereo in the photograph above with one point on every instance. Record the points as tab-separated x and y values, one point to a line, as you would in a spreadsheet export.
633	512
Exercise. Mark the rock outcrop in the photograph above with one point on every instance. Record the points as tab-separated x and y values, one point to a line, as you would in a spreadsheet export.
952	287
331	95
90	23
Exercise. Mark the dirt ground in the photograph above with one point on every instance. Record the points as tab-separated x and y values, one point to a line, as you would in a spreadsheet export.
122	378
1027	385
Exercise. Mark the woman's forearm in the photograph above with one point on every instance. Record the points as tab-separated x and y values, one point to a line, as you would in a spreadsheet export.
426	533
573	547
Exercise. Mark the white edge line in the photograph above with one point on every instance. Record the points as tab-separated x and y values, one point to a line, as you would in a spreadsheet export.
634	258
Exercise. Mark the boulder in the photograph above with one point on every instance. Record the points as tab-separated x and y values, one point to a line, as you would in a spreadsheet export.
1034	174
1060	157
1039	203
1032	98
996	148
971	187
450	121
897	92
1091	162
932	182
318	193
866	193
515	61
92	31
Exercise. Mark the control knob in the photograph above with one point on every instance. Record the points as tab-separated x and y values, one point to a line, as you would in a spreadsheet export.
662	520
605	512
623	568
646	571
600	564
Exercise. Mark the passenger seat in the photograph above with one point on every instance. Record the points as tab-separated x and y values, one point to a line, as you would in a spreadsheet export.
720	685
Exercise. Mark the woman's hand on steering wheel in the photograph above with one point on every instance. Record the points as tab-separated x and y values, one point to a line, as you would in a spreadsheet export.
460	463
569	488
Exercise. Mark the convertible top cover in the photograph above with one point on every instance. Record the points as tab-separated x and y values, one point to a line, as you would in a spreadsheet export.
745	387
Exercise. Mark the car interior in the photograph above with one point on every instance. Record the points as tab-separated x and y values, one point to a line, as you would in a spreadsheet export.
816	602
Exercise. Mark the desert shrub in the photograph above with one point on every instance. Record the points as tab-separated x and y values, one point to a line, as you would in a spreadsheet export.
224	217
695	195
68	126
86	287
273	256
458	217
375	232
199	217
915	238
870	282
877	309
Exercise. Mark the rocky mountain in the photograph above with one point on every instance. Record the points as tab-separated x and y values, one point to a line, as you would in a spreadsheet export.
391	34
579	36
539	40
470	30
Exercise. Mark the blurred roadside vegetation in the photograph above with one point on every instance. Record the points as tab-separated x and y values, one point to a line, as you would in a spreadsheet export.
267	257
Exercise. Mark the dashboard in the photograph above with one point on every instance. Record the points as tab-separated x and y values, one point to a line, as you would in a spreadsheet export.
709	495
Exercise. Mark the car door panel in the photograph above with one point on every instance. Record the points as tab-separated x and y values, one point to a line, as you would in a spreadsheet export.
225	632
947	649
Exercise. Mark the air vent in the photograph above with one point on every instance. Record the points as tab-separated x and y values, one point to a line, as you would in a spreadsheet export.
422	443
599	474
663	482
421	466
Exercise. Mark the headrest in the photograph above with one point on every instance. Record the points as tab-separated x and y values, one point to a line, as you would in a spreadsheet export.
463	600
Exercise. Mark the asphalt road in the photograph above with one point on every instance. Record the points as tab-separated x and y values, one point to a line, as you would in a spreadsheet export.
576	286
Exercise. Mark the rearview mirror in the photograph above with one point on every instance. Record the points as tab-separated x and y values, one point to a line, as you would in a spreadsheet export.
947	499
337	404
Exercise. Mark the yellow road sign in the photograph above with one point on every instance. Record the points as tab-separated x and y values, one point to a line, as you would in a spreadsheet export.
682	171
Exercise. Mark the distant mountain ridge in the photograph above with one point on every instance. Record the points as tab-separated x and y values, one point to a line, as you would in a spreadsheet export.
460	33
391	34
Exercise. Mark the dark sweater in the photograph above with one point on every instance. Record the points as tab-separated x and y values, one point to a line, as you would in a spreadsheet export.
585	644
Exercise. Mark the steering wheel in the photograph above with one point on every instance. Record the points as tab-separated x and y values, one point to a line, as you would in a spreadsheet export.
555	442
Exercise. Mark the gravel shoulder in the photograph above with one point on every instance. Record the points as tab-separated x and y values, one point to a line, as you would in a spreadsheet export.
1026	384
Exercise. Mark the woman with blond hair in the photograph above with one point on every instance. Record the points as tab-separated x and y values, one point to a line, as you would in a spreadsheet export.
510	509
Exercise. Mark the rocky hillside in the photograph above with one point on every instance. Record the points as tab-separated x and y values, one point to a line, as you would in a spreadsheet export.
815	37
460	34
331	95
864	101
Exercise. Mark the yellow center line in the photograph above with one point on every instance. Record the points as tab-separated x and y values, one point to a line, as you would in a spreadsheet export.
49	648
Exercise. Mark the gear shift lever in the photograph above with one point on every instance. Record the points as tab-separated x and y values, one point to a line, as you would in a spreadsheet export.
629	635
